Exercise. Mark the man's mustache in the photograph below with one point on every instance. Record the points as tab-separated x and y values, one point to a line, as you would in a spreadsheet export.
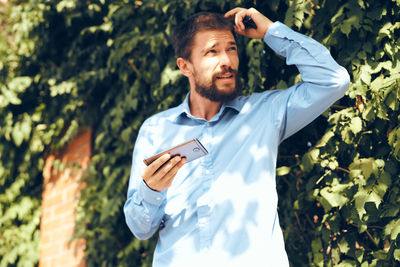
226	71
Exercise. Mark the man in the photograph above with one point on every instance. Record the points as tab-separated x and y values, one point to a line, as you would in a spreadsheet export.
221	209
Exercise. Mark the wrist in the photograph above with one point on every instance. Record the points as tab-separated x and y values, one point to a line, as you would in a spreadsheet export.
149	195
268	25
144	181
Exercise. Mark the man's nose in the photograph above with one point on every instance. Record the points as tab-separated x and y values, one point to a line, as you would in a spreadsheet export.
225	60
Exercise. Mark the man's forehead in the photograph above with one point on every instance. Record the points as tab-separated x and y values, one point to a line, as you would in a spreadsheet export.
213	37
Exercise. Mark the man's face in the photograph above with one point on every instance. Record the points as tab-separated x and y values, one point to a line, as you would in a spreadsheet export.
215	63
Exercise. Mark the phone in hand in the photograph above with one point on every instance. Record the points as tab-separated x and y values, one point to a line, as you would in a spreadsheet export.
190	150
249	23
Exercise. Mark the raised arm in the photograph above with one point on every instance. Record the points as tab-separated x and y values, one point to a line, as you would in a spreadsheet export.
323	80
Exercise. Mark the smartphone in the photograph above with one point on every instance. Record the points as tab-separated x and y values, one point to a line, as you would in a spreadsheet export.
249	23
190	150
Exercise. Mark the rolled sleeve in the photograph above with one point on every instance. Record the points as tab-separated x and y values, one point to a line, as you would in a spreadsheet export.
278	35
144	206
323	80
152	197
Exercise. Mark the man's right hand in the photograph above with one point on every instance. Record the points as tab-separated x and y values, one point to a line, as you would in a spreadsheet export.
160	179
262	22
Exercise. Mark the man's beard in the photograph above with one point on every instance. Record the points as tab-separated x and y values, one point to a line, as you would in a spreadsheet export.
212	92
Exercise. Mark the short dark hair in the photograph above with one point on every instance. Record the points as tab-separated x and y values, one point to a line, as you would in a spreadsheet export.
182	39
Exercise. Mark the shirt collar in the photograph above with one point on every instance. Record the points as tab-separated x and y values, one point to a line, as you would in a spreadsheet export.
183	110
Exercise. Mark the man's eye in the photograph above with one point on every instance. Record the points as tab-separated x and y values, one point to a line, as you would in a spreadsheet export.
233	48
212	51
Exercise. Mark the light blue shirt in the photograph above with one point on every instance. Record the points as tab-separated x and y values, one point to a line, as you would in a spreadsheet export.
221	209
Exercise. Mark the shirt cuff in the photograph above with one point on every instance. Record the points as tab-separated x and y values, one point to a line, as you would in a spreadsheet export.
275	33
279	36
149	195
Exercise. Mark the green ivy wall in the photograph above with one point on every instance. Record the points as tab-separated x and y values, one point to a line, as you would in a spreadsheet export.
67	65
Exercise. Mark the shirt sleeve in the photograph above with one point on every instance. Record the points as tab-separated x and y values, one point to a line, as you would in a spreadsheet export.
323	80
144	207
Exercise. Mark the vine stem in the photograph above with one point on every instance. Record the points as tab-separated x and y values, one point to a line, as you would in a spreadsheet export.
342	169
298	221
338	107
368	233
370	237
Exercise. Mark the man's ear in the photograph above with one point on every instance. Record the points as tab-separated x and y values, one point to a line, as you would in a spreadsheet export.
185	66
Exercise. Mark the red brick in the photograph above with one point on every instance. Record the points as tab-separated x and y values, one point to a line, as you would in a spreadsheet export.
78	148
71	192
51	199
52	250
44	263
61	190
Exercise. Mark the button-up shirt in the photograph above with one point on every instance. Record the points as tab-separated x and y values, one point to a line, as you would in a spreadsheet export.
221	209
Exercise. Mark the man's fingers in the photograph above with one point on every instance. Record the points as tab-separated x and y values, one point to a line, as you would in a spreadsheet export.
167	167
169	177
262	23
239	20
172	172
232	12
155	165
237	14
162	177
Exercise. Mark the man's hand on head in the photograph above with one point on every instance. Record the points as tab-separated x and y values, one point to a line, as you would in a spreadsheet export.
237	15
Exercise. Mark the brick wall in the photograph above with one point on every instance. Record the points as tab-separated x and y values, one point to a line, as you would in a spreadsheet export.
59	198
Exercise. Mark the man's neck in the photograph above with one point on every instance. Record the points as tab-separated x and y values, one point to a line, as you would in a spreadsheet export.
201	107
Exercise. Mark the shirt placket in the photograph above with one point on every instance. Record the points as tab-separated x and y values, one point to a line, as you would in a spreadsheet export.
204	202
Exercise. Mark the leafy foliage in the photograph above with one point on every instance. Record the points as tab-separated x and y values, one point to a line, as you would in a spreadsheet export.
346	199
66	65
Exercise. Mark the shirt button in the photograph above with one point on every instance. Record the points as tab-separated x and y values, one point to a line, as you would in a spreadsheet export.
158	198
301	42
207	171
276	32
147	220
208	124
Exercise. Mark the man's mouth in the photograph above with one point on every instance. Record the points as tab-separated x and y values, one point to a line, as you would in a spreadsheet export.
225	76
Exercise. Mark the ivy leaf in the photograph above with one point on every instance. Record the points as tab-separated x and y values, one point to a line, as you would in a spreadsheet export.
375	198
20	84
365	74
66	87
354	19
9	97
345	28
343	246
380	254
334	199
393	229
356	125
316	245
390	210
396	254
347	263
394	141
281	171
169	75
22	130
309	159
359	255
367	166
360	198
324	139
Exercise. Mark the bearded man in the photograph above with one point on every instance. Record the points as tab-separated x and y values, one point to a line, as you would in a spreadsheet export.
221	209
